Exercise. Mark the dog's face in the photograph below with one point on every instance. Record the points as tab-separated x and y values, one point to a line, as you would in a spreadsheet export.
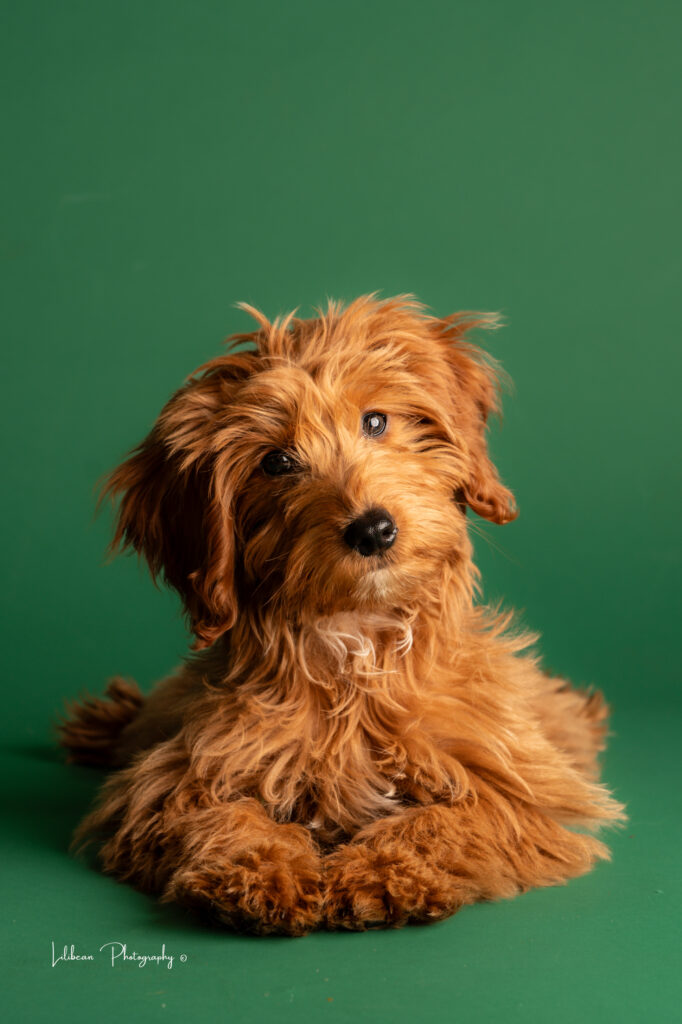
327	471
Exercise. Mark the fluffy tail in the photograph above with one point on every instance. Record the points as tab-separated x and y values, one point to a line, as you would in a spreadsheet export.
92	729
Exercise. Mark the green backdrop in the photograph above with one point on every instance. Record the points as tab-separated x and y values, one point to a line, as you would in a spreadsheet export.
164	160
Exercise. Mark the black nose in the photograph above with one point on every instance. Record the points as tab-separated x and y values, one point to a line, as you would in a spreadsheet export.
371	533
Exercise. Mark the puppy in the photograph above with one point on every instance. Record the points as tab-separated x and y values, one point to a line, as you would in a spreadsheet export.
354	742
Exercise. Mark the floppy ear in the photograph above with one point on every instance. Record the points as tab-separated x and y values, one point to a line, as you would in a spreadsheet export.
174	509
476	396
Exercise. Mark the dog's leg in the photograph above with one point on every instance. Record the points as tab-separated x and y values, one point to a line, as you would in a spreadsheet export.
163	830
426	863
245	871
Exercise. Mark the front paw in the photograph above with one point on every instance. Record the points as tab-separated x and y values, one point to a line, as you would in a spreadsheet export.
259	892
366	888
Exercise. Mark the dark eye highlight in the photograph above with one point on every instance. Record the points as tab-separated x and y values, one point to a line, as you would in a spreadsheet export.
373	424
277	463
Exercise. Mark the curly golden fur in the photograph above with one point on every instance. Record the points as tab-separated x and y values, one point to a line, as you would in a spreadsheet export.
354	742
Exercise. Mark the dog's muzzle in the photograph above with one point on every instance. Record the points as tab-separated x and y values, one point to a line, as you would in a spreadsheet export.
372	533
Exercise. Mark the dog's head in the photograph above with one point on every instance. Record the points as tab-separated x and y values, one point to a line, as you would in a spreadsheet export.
328	469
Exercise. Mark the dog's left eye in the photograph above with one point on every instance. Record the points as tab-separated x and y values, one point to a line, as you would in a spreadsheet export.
276	463
373	424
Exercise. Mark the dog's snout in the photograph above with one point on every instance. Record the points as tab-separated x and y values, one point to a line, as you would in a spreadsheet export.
371	533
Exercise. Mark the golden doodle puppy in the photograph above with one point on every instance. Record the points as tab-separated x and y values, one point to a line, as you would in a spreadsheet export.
354	743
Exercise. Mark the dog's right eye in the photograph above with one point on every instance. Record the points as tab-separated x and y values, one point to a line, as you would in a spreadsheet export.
277	463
